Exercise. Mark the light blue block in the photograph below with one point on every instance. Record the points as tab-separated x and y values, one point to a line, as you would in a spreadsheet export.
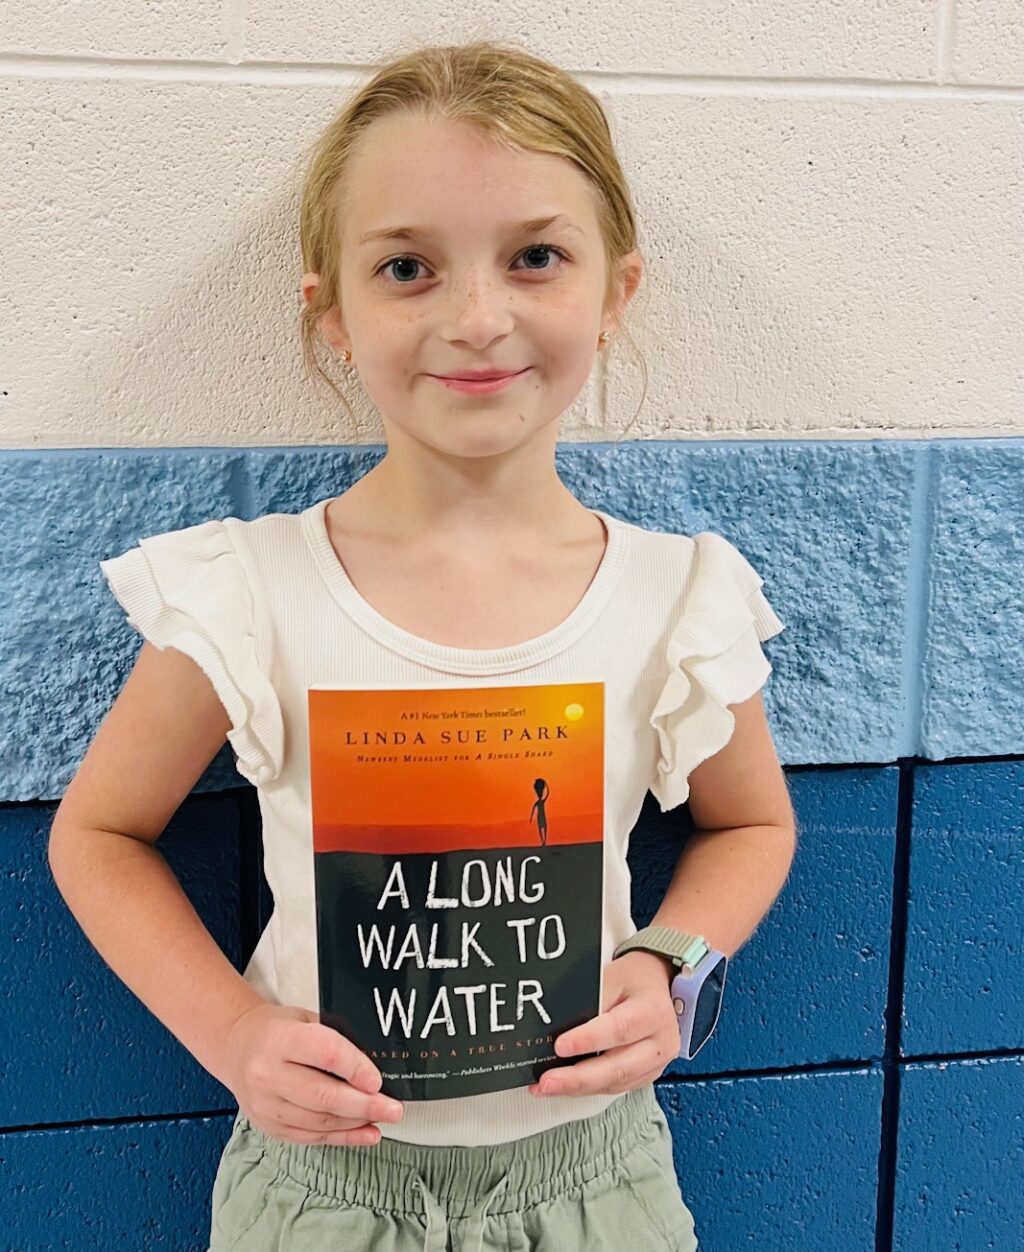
974	660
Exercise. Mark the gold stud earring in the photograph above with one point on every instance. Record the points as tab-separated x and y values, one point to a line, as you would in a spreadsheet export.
346	356
603	338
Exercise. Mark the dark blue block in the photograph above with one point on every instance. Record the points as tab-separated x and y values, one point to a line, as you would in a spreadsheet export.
140	1186
965	933
810	985
960	1179
77	1043
784	1164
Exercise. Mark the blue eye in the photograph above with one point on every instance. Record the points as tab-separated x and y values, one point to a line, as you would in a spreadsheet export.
536	247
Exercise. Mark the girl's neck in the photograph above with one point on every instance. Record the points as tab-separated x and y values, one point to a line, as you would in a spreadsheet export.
376	506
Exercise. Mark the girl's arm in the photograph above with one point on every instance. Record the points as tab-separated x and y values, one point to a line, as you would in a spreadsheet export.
735	864
163	730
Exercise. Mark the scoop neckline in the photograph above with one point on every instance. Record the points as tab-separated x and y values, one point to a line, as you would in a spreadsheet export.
467	660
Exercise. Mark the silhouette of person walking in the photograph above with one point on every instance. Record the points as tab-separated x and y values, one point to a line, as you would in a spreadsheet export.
540	786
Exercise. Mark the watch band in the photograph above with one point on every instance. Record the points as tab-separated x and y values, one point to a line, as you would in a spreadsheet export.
696	988
680	946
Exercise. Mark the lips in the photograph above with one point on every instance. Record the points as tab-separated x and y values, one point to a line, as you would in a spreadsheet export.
486	377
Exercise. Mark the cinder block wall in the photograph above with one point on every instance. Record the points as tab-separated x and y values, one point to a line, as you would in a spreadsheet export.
830	205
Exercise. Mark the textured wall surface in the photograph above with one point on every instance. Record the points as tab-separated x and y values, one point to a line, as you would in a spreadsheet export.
873	1026
897	566
829	210
829	202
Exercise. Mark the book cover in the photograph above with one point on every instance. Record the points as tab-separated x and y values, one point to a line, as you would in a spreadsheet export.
458	847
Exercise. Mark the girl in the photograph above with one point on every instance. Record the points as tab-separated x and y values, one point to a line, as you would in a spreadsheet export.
464	216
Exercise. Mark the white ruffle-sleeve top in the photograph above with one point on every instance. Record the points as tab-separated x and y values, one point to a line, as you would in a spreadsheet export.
672	624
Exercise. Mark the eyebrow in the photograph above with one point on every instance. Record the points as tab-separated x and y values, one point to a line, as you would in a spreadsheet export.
530	227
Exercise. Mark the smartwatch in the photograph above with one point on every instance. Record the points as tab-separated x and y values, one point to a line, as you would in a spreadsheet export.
696	989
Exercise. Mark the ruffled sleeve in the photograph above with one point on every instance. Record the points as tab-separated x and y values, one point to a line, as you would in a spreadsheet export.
188	589
714	659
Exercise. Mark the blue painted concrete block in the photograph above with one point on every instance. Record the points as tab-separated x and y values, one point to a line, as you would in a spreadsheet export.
810	985
779	1164
77	1043
974	659
138	1186
827	525
896	568
960	1178
877	661
67	646
965	923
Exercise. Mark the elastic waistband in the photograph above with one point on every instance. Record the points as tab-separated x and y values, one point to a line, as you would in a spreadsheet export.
391	1175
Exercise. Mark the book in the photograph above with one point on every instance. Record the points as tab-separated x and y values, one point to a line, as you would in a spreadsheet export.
458	847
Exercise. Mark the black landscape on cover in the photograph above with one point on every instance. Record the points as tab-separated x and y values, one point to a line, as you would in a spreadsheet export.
382	949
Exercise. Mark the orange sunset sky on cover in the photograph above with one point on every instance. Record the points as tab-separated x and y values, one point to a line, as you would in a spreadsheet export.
433	804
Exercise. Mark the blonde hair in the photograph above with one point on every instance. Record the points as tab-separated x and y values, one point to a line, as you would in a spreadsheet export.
509	95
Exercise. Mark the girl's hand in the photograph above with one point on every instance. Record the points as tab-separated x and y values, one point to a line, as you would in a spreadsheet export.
300	1081
637	1030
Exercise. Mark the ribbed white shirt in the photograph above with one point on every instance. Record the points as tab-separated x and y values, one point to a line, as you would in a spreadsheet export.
672	624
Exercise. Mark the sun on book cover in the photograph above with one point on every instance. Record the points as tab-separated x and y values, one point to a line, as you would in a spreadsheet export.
458	847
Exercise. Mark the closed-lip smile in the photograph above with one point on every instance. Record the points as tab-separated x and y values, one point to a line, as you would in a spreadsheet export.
480	376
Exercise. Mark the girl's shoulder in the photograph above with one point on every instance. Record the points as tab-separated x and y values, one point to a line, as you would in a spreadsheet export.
706	555
720	617
214	537
196	589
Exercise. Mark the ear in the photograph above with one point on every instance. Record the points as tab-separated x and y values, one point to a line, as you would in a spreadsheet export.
329	323
308	285
627	280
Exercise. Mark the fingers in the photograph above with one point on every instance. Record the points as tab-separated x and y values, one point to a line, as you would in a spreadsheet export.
628	1022
618	1070
331	1099
306	1125
336	1084
328	1050
635	1038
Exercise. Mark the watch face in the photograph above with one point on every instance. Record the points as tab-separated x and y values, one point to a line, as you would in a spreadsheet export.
698	1024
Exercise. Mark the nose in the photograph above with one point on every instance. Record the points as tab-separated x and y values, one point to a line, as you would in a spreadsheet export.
480	310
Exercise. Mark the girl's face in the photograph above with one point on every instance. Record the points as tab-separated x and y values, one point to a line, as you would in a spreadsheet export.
469	288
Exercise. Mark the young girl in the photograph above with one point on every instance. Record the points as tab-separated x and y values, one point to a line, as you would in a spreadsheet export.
464	214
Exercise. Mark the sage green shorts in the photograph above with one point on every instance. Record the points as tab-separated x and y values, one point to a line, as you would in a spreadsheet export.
599	1184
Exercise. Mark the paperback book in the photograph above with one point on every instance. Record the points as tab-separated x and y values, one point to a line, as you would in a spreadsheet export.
458	848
